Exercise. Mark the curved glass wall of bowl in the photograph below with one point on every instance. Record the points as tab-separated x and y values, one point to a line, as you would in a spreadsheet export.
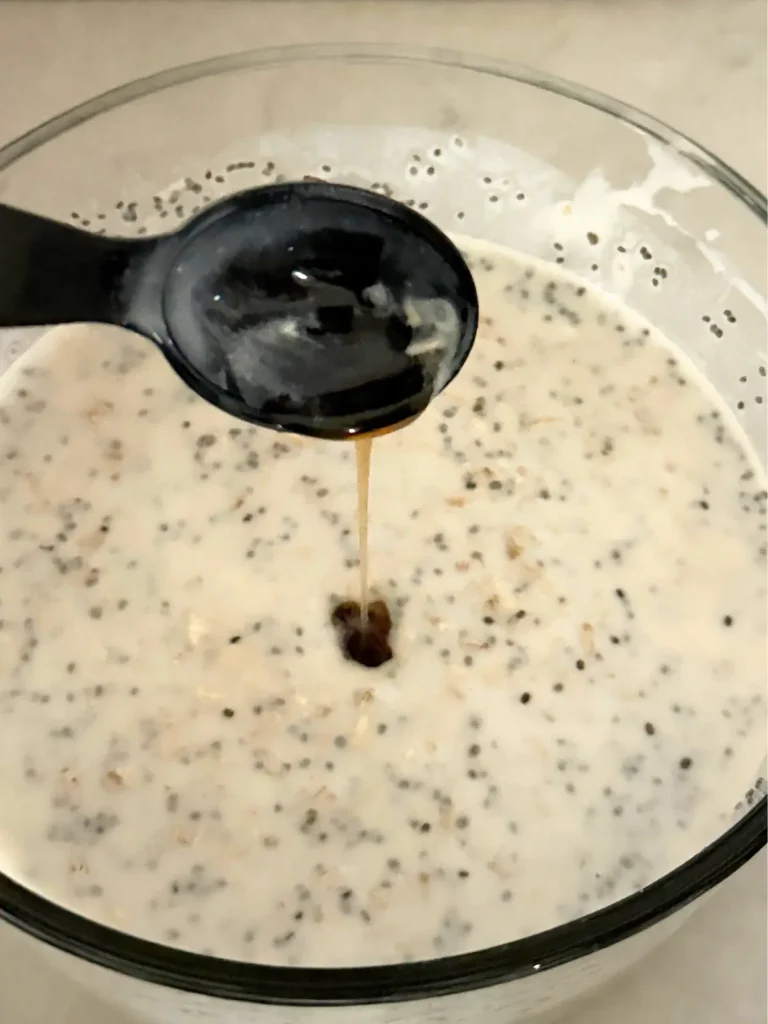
627	204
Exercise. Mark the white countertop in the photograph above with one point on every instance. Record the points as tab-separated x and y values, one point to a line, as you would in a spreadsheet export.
698	64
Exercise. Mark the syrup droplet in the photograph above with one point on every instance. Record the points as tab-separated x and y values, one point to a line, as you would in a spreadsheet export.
364	641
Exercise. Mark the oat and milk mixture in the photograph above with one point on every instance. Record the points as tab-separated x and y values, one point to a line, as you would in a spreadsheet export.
573	545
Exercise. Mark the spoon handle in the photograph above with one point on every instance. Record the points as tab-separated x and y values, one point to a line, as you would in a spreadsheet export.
51	273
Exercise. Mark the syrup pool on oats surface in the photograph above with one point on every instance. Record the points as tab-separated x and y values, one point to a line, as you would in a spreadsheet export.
572	543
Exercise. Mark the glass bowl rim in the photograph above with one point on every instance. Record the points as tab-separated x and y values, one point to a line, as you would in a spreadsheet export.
300	986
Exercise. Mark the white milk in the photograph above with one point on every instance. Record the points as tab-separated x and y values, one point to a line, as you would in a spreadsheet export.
572	540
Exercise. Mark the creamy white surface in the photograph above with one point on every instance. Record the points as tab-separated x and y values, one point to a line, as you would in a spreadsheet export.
571	800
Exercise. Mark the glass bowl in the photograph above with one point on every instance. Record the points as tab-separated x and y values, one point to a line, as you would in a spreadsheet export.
499	152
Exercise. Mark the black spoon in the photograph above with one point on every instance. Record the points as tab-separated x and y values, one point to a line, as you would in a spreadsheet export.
317	308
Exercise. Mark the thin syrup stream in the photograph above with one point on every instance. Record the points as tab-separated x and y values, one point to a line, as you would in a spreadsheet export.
363	448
